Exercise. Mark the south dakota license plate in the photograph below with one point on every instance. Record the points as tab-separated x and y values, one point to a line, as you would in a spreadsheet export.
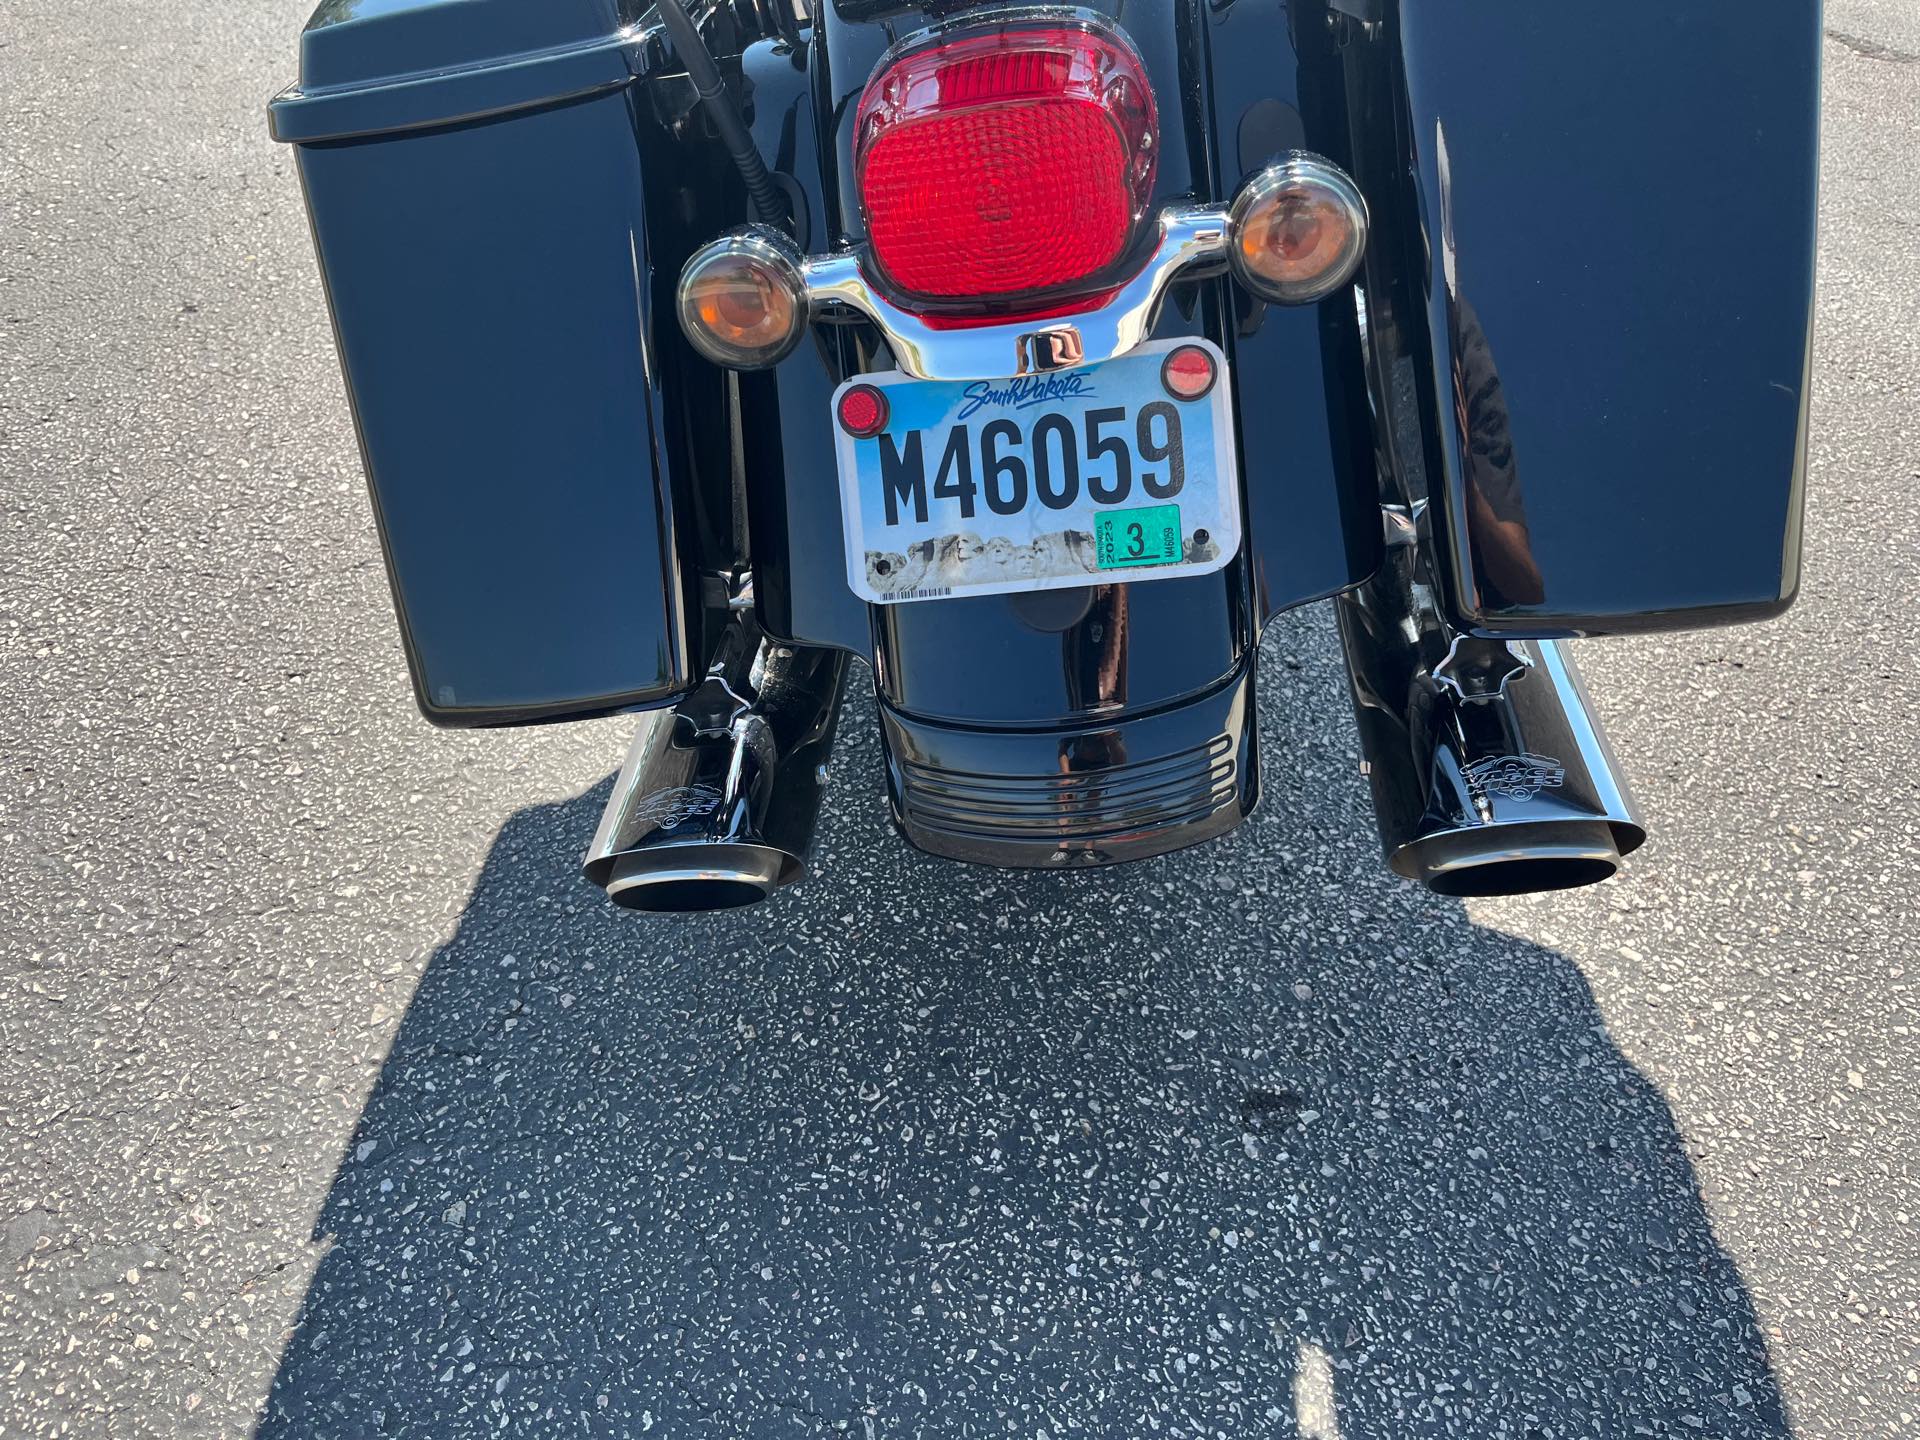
1091	476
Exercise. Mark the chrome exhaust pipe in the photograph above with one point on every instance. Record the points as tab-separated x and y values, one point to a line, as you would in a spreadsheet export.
1490	775
716	805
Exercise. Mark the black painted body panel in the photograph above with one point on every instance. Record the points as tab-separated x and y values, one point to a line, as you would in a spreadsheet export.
492	292
1306	439
1604	219
799	545
497	362
380	66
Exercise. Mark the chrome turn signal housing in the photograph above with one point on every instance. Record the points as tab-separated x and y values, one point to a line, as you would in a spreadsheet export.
1296	231
743	300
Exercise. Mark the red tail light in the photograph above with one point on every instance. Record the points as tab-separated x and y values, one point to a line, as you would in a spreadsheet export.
1010	163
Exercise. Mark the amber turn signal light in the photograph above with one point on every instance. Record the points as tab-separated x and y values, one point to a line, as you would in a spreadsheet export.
743	302
1296	231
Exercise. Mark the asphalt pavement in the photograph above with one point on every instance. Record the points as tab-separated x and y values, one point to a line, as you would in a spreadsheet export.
333	1103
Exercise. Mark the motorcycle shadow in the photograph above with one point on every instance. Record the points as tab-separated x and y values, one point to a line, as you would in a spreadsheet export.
1254	1140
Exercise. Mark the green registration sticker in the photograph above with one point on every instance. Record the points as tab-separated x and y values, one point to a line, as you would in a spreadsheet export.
1149	535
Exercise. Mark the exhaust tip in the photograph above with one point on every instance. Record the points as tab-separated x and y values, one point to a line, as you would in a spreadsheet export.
1527	876
1517	860
692	879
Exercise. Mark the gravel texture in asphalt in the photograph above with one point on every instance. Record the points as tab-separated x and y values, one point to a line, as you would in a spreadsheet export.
333	1103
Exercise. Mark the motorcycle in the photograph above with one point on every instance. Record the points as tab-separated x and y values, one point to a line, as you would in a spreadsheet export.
1037	357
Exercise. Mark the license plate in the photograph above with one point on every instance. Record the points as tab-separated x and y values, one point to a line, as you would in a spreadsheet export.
1090	476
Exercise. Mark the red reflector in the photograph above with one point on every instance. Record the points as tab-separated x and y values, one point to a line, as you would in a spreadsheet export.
1187	373
1005	163
863	412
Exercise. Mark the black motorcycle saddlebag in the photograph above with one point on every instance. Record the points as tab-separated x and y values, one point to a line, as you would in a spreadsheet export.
1593	271
474	182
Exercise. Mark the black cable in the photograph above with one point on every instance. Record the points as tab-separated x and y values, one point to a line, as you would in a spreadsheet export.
707	84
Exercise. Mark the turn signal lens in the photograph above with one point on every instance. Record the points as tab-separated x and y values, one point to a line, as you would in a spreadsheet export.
1296	231
743	302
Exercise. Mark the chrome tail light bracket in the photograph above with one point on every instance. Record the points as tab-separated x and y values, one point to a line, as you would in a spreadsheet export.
1192	241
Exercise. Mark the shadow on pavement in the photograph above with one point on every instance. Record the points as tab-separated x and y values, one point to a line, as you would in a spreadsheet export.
1251	1141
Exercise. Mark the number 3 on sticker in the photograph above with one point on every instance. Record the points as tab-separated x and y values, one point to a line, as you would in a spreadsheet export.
1149	535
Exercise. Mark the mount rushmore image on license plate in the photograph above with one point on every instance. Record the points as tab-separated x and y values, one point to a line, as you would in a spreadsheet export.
965	561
